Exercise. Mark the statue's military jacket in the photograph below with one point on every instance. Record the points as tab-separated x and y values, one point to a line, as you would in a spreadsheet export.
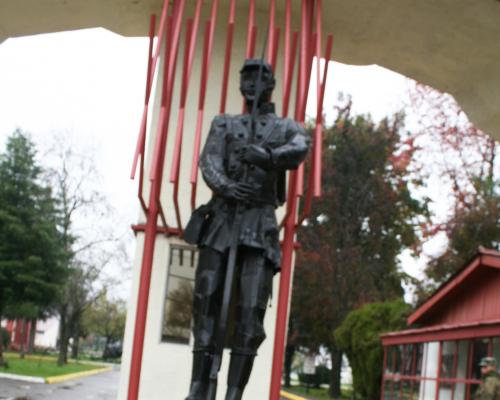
286	142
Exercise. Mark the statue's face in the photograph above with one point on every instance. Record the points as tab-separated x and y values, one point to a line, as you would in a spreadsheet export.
248	85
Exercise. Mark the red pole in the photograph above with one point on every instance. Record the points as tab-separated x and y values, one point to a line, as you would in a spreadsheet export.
272	17
250	30
319	117
276	41
207	56
288	38
314	188
227	61
153	210
284	292
176	156
139	151
289	68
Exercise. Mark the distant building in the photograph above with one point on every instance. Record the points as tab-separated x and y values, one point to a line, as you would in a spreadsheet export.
46	336
457	326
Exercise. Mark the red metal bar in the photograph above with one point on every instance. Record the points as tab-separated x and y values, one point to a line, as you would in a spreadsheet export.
250	30
284	295
164	100
174	171
227	60
139	151
171	69
151	72
176	158
319	117
298	104
302	64
287	88
288	42
142	132
304	78
199	119
276	42
151	221
191	35
272	23
207	55
169	231
300	180
314	189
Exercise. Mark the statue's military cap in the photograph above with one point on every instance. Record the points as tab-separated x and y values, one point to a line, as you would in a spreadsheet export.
254	63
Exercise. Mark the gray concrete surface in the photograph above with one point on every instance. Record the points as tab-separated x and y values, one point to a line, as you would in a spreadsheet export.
102	386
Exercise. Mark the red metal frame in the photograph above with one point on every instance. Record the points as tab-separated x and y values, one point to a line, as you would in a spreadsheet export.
154	205
170	27
207	57
227	63
191	36
251	30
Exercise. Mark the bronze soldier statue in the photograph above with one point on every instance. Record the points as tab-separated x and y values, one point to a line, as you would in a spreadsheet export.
244	163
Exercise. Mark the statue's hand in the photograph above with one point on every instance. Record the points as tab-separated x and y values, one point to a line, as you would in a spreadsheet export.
256	155
238	191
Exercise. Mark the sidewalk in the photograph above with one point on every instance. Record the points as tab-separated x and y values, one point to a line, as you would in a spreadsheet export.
103	386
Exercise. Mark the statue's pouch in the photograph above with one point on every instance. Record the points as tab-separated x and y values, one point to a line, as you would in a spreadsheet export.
195	226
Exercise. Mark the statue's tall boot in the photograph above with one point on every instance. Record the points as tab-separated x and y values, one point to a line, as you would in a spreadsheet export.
202	363
239	373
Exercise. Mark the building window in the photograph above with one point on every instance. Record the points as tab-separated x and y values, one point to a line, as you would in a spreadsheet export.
177	310
447	370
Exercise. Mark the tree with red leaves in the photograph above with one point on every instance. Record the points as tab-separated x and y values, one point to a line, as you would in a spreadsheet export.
465	159
350	244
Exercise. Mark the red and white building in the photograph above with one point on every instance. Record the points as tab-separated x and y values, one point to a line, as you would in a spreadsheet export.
46	335
457	326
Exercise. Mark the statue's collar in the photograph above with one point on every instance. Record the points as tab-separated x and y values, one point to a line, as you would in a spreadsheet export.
267	108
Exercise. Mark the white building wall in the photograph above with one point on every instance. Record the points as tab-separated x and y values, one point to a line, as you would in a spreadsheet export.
47	333
166	367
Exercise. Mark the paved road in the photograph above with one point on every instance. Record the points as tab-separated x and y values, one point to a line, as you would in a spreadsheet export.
97	387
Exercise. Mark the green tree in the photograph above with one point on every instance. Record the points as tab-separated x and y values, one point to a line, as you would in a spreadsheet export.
30	249
359	337
466	161
88	238
351	242
470	227
106	318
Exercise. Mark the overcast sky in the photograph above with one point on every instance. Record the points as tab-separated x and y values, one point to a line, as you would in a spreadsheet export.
89	85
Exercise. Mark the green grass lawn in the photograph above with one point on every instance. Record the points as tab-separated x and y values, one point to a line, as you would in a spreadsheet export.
42	366
317	394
